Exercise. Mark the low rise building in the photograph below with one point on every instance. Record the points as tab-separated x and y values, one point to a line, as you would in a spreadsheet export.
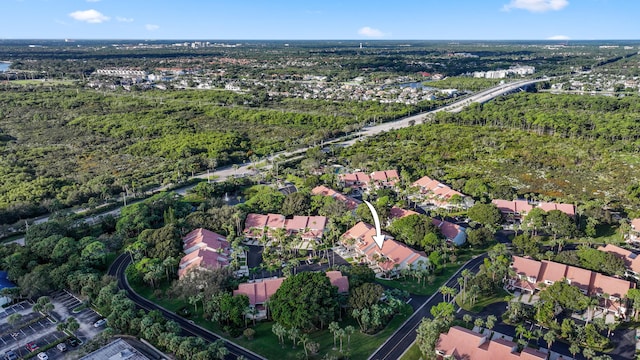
204	249
454	233
309	228
116	350
348	201
370	182
462	344
631	259
438	194
533	275
386	261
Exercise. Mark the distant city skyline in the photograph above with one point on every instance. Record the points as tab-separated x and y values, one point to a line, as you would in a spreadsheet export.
321	20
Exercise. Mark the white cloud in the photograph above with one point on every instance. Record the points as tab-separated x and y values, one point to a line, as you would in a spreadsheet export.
558	37
370	32
90	16
123	19
151	27
536	5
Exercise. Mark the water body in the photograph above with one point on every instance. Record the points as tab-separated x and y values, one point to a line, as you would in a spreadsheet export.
4	66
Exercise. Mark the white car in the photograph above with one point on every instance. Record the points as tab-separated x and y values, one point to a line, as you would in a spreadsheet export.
99	322
43	356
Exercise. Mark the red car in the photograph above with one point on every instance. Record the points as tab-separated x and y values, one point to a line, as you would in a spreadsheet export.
31	346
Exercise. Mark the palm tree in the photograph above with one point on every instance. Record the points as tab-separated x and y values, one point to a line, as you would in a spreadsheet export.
304	339
333	328
349	330
588	353
574	349
550	336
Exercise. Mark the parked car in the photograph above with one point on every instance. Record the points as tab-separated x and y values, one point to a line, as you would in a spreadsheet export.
43	356
73	342
61	347
99	322
31	347
10	355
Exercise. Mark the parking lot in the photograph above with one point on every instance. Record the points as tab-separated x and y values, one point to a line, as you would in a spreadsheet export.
43	332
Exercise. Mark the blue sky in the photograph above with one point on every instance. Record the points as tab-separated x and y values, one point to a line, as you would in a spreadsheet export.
326	19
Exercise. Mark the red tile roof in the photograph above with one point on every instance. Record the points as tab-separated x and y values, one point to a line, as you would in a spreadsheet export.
350	202
631	259
568	209
466	344
394	251
397	213
437	192
448	229
314	225
389	177
635	224
203	248
547	270
521	207
261	290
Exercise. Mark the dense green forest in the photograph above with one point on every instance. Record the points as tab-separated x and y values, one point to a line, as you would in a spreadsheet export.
491	162
64	146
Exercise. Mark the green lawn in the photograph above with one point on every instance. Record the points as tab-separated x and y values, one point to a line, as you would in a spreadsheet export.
482	302
266	343
424	288
413	353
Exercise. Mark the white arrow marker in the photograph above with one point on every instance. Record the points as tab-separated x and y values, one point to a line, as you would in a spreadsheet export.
378	237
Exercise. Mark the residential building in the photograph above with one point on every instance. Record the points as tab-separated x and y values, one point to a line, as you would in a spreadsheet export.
385	261
531	274
513	210
454	233
438	194
361	181
307	227
463	344
631	259
205	249
349	202
260	291
258	225
516	210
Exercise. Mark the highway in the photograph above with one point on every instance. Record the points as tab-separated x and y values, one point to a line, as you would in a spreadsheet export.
117	269
244	169
401	340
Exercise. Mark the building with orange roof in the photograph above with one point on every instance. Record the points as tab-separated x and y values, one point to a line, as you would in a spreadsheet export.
436	193
307	227
385	261
204	249
631	259
364	182
349	202
460	343
530	274
513	210
516	210
260	291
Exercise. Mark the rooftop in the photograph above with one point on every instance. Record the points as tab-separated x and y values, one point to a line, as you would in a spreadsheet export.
116	350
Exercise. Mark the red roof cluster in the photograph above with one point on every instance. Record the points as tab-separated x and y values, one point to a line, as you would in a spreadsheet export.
205	249
461	343
259	291
350	202
520	208
436	192
379	179
392	253
309	227
589	282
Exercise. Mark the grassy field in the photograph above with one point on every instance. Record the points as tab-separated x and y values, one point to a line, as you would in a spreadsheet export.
266	343
483	302
412	354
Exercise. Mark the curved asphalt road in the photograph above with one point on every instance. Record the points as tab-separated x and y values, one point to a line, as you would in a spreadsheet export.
118	268
402	339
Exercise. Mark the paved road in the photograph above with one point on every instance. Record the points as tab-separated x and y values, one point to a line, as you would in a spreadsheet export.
247	168
117	269
402	339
